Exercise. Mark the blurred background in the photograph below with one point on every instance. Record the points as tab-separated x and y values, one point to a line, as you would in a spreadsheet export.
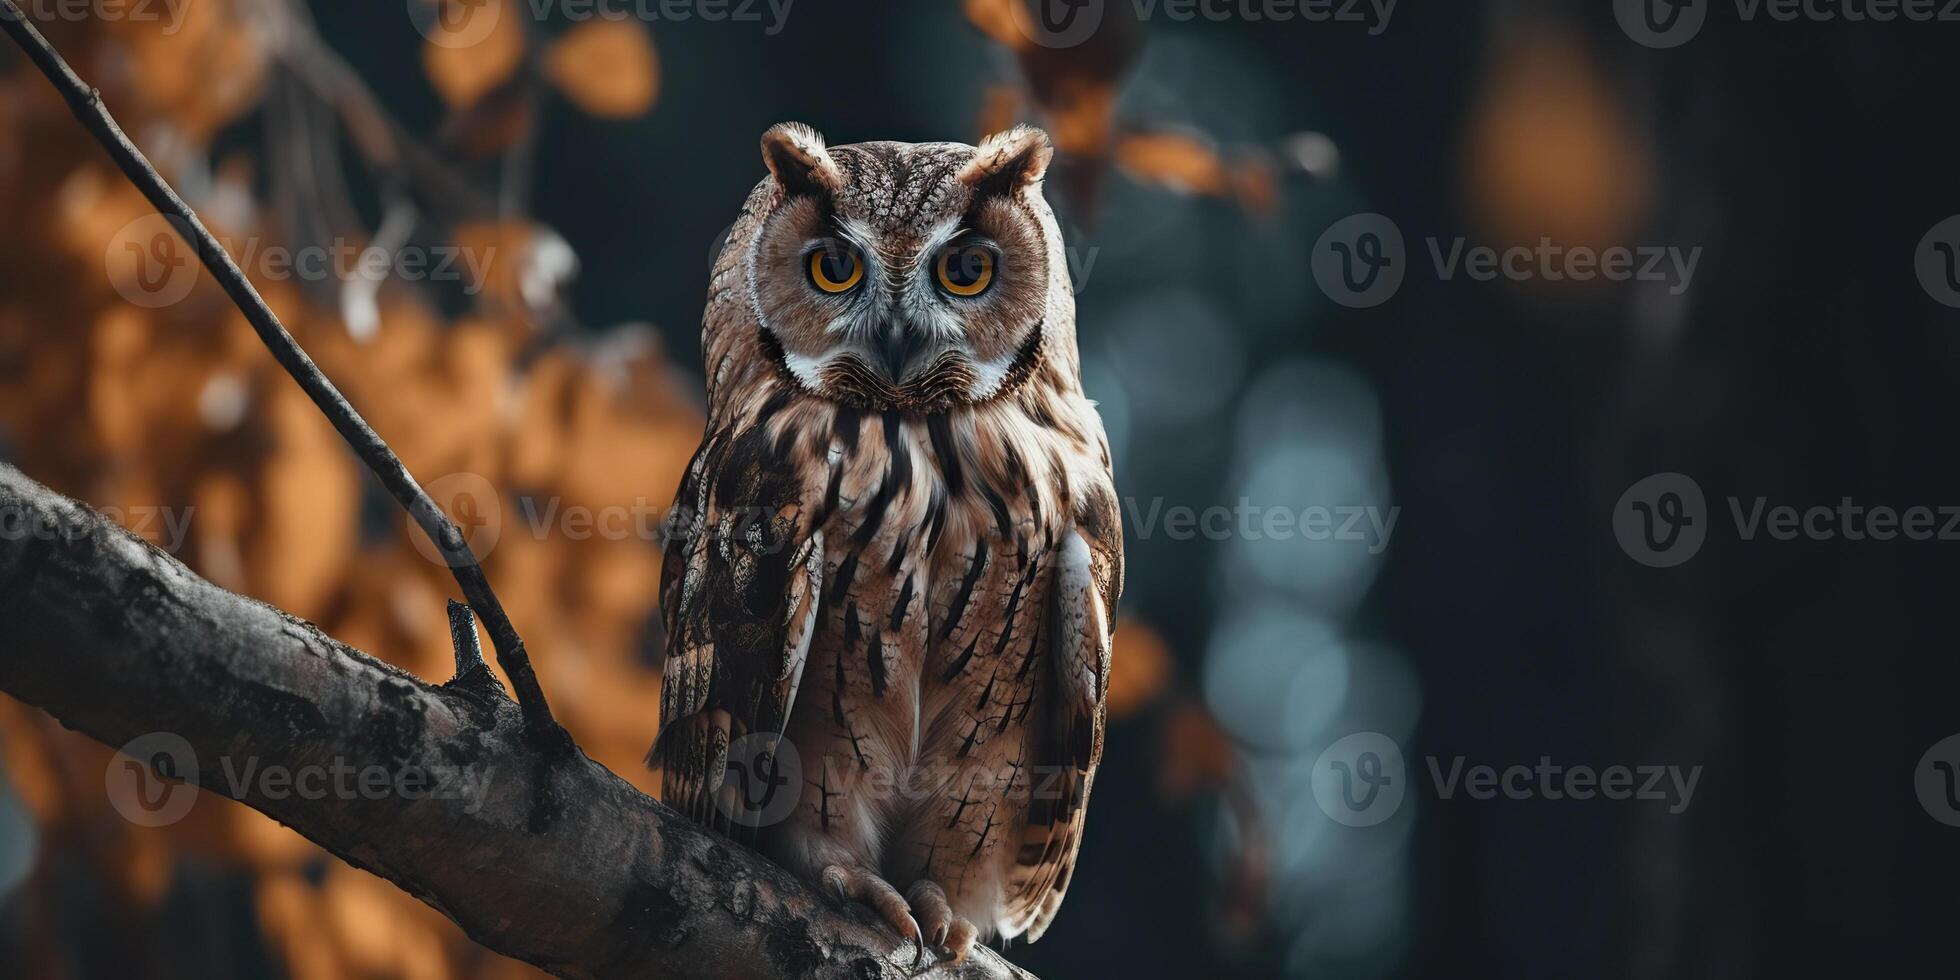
1255	348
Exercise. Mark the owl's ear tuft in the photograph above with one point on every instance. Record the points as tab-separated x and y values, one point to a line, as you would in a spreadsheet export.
1009	161
796	157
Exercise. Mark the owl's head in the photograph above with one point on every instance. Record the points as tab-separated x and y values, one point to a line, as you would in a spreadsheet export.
913	275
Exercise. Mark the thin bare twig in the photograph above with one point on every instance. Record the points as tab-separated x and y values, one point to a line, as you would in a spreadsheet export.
86	104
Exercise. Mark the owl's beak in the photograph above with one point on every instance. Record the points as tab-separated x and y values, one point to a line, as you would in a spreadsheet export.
898	348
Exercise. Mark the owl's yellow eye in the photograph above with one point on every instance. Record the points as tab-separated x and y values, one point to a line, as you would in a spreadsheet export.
966	270
835	268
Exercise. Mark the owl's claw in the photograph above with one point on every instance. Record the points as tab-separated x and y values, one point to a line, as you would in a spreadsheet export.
950	933
857	884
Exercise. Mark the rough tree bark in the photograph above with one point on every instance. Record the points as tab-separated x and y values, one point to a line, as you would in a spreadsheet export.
555	860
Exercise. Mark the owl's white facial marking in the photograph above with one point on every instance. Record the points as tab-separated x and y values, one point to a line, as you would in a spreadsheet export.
808	370
988	376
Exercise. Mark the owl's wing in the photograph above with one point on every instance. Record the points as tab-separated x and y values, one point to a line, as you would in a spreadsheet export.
1088	578
739	594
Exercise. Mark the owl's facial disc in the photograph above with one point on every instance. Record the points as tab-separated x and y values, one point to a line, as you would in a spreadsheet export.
903	275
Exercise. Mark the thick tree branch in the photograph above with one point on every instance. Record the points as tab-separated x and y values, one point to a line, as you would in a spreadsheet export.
86	103
543	855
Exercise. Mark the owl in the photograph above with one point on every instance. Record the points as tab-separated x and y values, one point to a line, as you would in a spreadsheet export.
895	561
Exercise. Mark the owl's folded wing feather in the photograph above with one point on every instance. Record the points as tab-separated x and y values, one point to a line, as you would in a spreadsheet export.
1088	578
739	594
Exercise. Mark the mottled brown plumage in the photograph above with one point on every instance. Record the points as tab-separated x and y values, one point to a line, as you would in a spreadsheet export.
898	548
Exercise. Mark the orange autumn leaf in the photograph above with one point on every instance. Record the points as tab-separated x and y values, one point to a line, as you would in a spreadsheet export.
289	913
1073	84
1139	666
201	94
471	48
1196	752
32	773
1175	160
998	108
1082	116
1551	151
496	250
492	124
1190	164
1256	184
997	20
606	67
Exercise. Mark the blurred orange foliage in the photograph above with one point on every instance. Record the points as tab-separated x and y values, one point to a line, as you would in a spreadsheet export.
471	50
606	67
176	405
1551	152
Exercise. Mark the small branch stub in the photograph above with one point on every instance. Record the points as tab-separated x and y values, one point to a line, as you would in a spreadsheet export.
472	674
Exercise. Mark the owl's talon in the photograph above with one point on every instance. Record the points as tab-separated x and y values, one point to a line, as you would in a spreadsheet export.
857	884
959	939
950	933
